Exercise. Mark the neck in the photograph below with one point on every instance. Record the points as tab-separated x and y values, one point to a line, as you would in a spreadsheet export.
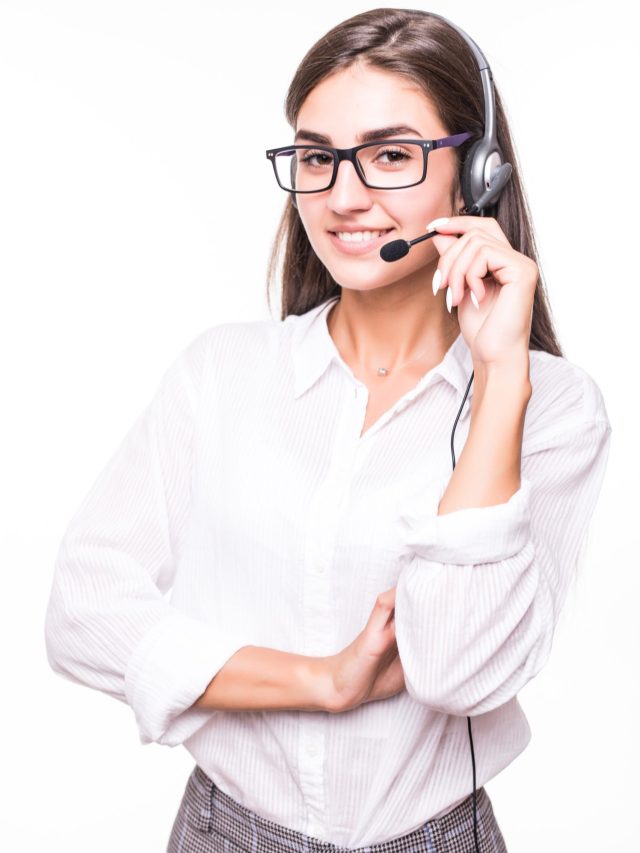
380	328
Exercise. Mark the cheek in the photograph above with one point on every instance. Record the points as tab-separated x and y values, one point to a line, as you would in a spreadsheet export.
309	216
428	201
312	222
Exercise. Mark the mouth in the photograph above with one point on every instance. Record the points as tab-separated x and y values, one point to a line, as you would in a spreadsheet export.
358	242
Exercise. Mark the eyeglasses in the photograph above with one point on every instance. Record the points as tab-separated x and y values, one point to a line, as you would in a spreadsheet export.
391	165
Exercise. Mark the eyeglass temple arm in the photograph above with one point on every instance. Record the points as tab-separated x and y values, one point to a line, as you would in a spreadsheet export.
452	141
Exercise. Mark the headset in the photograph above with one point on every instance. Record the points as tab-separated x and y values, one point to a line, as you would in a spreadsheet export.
484	177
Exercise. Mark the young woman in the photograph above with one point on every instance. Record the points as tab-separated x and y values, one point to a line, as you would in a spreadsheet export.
369	510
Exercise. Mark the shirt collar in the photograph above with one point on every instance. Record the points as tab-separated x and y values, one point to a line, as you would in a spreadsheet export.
313	350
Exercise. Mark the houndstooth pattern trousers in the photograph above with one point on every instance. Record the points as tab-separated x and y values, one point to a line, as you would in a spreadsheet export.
209	821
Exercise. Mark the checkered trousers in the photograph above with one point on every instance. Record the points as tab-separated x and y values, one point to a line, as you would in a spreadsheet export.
209	821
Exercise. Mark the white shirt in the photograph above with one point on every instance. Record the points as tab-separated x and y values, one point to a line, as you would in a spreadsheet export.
243	508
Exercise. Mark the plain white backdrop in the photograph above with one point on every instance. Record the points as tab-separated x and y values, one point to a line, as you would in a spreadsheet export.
123	236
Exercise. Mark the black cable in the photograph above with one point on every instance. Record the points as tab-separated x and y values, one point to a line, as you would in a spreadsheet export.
473	767
473	757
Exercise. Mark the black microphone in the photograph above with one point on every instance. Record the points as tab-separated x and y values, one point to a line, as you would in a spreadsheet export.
397	249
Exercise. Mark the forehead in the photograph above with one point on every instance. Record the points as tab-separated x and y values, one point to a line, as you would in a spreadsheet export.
358	98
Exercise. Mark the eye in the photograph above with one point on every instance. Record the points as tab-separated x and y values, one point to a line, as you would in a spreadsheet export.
396	155
316	158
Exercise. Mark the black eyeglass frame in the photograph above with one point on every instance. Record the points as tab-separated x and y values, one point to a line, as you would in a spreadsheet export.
340	154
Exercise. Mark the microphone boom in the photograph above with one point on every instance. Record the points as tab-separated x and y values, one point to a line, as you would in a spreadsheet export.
397	249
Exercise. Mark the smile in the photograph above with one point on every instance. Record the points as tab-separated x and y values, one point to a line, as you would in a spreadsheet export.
357	242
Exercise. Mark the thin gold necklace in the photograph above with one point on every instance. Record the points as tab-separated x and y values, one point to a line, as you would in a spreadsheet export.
384	371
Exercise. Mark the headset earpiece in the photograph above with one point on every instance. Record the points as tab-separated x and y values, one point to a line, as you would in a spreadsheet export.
479	172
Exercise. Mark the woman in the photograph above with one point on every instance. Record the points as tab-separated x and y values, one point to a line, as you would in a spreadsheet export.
350	622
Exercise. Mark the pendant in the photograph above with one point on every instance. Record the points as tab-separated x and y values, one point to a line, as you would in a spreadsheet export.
382	371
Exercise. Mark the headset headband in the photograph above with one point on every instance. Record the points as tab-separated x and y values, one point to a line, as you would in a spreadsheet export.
485	75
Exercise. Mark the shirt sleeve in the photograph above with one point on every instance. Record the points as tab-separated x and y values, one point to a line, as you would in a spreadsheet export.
479	597
108	624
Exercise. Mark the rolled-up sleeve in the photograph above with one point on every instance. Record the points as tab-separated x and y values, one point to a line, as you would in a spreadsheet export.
479	596
108	624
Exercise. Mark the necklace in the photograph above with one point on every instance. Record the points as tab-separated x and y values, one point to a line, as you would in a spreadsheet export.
384	371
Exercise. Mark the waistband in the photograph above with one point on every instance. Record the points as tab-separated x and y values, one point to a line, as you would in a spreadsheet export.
220	815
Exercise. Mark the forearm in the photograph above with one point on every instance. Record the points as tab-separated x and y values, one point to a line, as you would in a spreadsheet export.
488	470
262	679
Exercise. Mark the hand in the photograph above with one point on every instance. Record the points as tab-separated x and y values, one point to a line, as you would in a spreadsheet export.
369	668
504	281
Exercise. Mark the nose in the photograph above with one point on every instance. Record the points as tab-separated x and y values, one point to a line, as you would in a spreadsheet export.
348	192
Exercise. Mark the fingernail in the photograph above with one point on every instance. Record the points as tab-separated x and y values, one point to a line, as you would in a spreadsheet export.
436	281
474	299
436	222
449	299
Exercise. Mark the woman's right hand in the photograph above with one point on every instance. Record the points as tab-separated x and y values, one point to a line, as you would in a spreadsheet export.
369	668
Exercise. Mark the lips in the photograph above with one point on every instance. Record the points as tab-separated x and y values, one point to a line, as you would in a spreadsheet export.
356	230
361	246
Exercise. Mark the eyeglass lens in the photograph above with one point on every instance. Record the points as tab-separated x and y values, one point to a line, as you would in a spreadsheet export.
383	165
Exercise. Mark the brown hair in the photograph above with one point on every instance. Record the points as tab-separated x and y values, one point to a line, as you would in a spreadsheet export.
436	57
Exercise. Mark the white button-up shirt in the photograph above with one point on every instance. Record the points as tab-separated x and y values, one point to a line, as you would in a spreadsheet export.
243	508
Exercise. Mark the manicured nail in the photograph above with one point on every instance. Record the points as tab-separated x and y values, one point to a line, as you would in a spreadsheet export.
436	281
449	299
436	222
474	299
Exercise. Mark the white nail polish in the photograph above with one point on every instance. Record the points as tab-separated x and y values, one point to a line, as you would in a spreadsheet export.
436	281
474	299
449	299
436	222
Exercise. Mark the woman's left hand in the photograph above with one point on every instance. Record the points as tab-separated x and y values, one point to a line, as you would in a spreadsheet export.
500	328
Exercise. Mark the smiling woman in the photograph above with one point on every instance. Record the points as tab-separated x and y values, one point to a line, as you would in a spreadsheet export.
350	621
346	105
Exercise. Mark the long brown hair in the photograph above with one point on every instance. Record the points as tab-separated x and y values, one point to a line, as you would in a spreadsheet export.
437	58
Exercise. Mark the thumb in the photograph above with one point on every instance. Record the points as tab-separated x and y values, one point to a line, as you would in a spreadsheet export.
442	242
388	597
380	614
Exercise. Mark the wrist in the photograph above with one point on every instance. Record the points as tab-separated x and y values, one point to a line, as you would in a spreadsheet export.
511	378
317	678
314	683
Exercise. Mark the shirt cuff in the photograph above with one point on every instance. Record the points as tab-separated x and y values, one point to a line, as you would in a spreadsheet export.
169	669
465	536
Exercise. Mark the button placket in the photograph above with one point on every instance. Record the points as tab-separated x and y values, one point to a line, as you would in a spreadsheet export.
324	516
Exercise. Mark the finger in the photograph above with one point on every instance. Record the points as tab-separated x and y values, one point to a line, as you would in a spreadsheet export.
463	224
389	595
467	270
382	610
449	257
443	243
477	237
498	260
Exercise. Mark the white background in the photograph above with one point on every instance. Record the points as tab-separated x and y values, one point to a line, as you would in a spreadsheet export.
123	236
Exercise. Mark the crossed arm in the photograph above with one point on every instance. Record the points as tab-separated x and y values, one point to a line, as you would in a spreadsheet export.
487	473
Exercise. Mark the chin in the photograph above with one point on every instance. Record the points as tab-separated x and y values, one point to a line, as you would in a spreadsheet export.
374	276
358	284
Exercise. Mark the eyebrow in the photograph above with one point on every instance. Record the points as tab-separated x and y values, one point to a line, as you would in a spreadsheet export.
366	136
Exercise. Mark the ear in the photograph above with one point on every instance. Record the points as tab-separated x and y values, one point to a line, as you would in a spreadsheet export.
457	200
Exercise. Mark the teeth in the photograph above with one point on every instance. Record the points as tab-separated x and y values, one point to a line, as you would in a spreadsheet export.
359	236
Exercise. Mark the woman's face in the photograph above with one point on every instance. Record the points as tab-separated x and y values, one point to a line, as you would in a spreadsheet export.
342	107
